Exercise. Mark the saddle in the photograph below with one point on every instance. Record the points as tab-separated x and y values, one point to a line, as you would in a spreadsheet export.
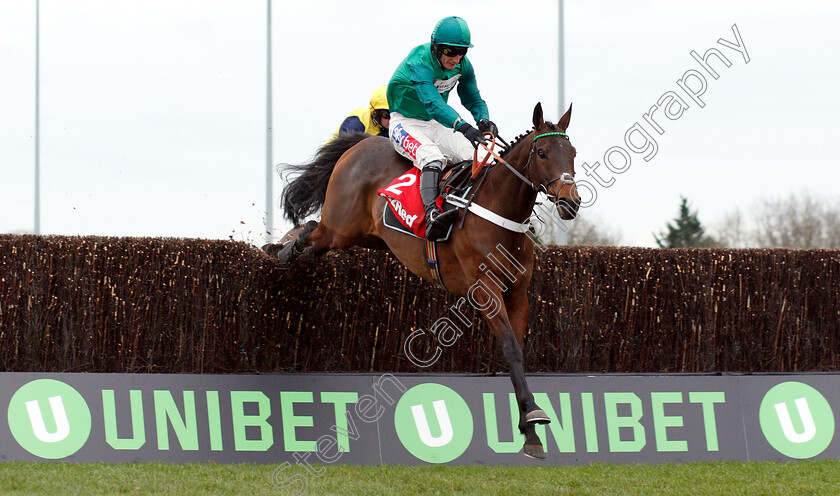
456	179
458	185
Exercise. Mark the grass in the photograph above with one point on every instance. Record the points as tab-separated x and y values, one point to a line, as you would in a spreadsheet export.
729	478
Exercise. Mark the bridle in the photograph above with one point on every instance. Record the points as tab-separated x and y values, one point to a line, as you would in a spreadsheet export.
540	186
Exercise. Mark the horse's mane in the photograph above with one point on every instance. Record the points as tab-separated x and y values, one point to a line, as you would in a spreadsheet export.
522	136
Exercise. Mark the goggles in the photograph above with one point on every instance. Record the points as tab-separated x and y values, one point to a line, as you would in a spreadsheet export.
453	51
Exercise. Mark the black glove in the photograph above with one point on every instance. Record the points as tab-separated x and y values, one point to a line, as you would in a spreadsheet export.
486	126
472	134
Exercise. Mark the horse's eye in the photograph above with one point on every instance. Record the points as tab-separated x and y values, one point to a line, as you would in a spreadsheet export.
541	154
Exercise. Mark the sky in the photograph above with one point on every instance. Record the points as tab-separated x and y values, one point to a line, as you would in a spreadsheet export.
153	112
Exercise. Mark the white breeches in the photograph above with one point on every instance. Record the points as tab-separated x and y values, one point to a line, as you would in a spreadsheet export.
424	142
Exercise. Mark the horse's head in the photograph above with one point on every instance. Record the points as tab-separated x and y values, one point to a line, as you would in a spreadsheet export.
552	162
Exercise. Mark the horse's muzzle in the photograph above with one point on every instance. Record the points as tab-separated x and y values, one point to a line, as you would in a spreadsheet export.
567	208
567	202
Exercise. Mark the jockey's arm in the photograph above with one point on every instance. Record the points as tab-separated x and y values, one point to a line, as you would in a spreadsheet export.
469	95
351	124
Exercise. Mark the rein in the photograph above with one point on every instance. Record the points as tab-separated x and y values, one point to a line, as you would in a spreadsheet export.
565	177
477	167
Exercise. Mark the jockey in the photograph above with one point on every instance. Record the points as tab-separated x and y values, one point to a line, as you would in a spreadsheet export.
372	120
423	124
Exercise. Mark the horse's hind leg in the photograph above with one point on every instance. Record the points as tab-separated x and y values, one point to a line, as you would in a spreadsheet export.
273	249
309	241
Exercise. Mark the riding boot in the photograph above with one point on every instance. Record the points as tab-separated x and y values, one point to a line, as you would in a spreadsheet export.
437	222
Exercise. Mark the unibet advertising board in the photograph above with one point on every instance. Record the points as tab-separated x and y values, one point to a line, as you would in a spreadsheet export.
297	420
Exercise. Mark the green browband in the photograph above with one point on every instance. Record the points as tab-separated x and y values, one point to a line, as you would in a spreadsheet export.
551	134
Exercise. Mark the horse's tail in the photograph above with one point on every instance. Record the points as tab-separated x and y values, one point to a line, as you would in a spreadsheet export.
305	193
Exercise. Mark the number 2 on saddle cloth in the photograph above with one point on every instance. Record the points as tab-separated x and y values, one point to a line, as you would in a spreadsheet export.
403	196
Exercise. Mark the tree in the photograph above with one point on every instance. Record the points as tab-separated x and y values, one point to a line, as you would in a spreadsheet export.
731	231
586	229
800	221
592	230
685	231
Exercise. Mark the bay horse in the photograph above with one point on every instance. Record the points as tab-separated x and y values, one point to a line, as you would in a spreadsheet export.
343	180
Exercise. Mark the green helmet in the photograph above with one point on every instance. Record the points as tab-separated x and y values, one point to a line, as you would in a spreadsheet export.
452	31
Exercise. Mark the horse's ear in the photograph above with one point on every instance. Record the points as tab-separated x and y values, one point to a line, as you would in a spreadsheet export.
538	116
564	121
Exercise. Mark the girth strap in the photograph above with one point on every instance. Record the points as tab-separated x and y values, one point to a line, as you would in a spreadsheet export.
432	262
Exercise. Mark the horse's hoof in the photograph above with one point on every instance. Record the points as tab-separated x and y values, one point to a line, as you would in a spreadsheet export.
272	249
537	417
535	451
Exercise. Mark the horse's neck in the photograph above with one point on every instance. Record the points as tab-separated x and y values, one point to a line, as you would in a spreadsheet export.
506	194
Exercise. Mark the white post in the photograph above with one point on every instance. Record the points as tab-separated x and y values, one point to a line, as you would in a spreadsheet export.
561	97
37	119
562	238
269	173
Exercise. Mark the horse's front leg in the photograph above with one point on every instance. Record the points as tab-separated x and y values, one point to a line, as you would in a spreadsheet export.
500	318
516	303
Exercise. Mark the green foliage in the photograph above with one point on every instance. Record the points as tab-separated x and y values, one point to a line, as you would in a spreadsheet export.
685	231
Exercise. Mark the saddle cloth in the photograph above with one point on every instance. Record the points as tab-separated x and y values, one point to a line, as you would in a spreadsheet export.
403	195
